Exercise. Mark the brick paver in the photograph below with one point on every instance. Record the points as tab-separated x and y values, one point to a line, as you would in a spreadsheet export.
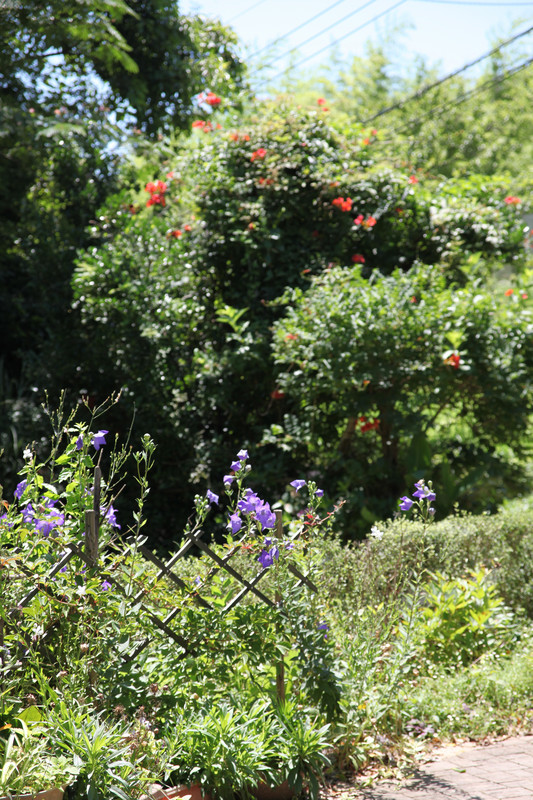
501	771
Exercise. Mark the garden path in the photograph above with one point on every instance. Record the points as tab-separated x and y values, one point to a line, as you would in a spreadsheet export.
500	771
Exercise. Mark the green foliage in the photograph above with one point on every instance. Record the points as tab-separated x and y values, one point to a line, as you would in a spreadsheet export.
464	124
461	618
228	750
382	566
213	713
72	628
71	79
491	697
122	44
383	377
245	216
25	765
101	753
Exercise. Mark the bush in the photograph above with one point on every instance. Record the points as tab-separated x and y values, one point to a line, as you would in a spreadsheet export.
389	379
379	568
176	298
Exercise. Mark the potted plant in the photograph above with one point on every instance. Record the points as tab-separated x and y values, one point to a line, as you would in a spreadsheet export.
27	771
193	792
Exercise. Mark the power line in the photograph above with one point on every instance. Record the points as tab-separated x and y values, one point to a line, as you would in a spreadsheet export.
421	92
298	27
486	150
325	30
437	111
336	41
246	10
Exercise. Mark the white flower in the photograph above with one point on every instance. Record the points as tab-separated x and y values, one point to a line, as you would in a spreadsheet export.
27	454
375	532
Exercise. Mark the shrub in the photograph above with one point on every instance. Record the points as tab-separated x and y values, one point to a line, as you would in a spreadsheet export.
177	298
401	376
460	619
369	572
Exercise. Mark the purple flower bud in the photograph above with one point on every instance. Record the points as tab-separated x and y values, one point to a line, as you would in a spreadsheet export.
242	455
105	585
79	442
319	493
235	466
228	480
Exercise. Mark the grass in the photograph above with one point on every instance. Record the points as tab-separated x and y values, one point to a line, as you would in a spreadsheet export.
492	697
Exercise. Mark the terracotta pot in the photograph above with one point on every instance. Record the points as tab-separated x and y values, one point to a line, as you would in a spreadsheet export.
193	792
48	794
281	792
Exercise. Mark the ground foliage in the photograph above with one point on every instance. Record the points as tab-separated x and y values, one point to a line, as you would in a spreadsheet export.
406	641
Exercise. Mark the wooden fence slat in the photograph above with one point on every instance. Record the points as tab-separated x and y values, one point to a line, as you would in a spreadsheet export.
164	571
244	591
41	587
161	625
302	578
232	572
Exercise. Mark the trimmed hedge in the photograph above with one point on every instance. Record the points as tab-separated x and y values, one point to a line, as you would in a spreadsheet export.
369	572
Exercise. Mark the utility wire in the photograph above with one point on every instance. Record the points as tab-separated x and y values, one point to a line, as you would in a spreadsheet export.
421	92
246	10
336	41
324	30
438	111
298	27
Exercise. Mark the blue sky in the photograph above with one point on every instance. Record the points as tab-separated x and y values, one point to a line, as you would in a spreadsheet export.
448	33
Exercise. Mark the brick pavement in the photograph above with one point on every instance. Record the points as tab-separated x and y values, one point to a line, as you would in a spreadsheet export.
501	771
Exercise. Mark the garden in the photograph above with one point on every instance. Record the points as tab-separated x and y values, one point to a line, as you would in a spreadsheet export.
266	382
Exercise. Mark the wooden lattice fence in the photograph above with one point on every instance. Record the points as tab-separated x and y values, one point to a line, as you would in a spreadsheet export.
194	541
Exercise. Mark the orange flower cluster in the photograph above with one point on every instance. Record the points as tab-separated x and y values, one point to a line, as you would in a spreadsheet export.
210	98
156	190
344	205
366	425
177	234
369	222
261	153
204	126
453	361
